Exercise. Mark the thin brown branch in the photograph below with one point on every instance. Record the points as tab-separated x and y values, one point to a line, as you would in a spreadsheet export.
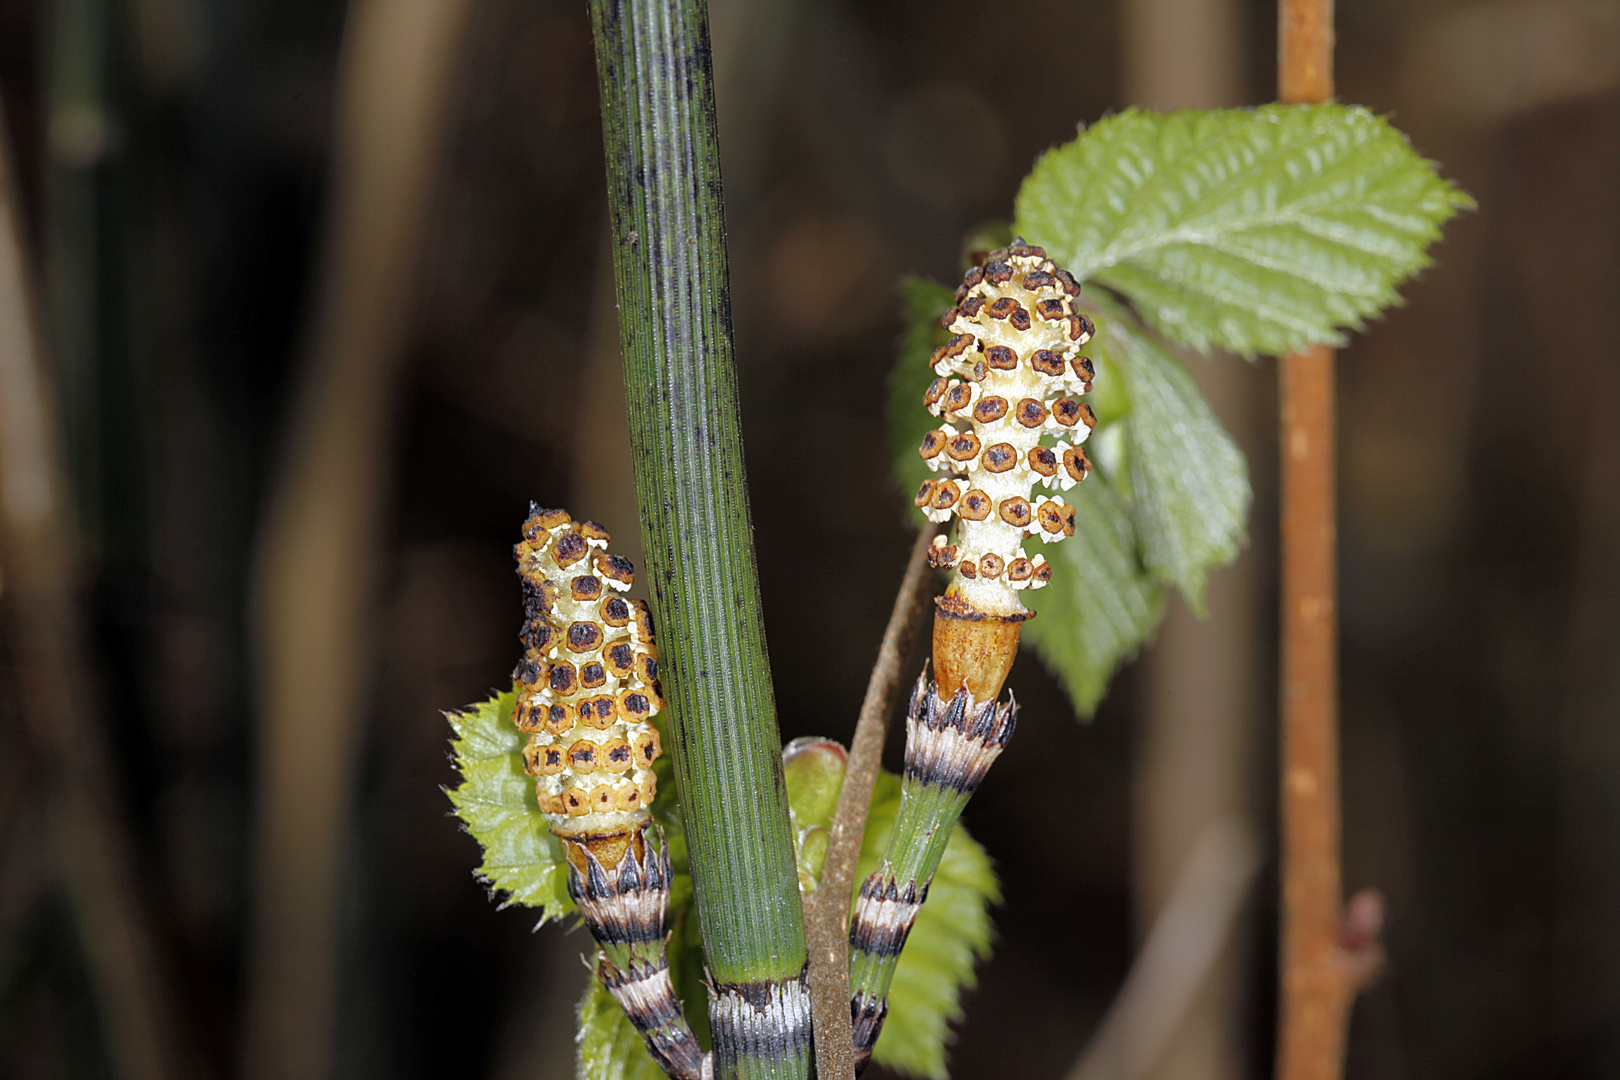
93	852
1325	958
1194	762
1304	51
1320	975
826	911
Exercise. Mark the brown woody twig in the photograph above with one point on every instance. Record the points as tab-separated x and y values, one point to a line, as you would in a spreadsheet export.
1326	957
826	911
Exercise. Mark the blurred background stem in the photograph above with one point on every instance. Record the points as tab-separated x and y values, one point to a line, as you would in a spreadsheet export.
40	586
317	564
1195	752
1163	1020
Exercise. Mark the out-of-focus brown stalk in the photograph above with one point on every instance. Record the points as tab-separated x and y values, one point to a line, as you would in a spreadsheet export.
1321	968
1314	998
826	911
319	549
1194	763
1304	51
39	584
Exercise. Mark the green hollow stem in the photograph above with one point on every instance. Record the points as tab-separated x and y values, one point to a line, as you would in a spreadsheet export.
672	280
950	744
922	827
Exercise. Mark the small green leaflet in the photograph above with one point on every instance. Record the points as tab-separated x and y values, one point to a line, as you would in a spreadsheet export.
1255	230
1187	482
495	801
951	934
1101	604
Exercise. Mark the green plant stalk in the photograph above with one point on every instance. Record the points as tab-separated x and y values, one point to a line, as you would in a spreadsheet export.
949	747
922	828
670	269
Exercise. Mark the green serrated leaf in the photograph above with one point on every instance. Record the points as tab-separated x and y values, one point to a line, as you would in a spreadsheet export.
1187	482
951	935
1101	604
1255	230
924	302
495	800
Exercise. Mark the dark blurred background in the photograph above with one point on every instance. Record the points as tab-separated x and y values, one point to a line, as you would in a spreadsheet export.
323	303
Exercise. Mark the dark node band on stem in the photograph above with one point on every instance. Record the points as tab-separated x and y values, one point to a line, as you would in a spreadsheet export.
625	902
647	996
952	744
625	906
884	914
766	1020
866	1016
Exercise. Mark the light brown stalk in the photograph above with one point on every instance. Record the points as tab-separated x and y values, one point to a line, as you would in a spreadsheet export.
1314	999
826	911
1304	51
1321	968
46	636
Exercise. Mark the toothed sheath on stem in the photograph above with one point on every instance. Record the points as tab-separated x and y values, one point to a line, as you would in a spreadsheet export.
587	690
1007	385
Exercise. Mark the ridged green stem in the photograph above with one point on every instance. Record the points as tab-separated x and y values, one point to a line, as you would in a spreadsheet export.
922	828
669	256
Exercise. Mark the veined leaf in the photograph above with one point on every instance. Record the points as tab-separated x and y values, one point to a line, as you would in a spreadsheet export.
1101	604
1188	483
951	935
1255	230
495	801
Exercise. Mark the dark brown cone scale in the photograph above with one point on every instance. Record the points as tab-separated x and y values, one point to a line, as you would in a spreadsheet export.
973	649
